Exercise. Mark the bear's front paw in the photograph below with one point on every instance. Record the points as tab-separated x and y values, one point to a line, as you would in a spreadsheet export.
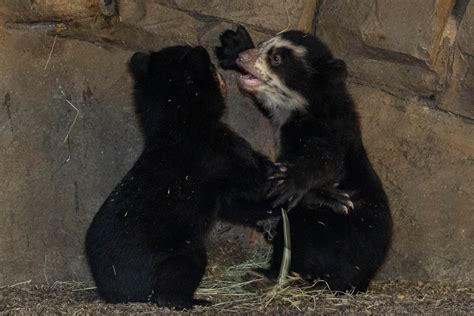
232	44
339	201
286	189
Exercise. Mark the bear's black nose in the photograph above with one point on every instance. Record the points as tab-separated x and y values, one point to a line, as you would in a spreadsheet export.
244	57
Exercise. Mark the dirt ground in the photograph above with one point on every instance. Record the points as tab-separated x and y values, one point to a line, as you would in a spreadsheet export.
226	286
384	297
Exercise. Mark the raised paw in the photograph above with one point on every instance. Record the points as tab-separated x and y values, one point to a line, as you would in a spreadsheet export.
285	190
279	171
232	44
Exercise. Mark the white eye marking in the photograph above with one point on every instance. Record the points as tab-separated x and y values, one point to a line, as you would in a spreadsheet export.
279	42
274	94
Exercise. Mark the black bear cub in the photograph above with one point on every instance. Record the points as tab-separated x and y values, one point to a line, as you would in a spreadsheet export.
298	84
147	241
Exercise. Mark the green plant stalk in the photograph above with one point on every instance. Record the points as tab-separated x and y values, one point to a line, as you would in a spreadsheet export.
286	258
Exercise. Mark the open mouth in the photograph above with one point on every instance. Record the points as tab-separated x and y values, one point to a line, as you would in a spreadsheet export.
249	80
249	76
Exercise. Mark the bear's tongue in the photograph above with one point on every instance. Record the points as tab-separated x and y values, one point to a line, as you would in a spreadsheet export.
248	76
249	80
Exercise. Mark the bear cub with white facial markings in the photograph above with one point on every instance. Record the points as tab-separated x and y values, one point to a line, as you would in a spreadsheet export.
297	83
147	242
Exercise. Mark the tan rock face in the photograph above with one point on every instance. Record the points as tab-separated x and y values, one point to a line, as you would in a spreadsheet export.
411	74
466	31
413	28
420	49
50	188
425	160
275	15
48	10
421	54
459	94
359	33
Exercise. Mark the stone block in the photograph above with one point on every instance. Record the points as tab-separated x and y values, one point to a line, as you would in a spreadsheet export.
22	11
410	27
51	186
466	31
390	44
425	159
273	15
459	95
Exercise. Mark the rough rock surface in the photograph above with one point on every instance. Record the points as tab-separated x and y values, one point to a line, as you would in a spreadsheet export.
411	69
24	11
425	160
459	94
51	184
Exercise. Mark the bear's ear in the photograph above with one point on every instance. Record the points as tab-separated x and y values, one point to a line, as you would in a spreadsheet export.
200	57
139	64
337	70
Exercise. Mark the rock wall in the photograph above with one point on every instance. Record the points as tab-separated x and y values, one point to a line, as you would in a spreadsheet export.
411	65
68	132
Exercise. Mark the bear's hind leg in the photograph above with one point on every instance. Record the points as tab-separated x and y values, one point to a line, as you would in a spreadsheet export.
177	280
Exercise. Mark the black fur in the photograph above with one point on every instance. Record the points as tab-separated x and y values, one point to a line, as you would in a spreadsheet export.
232	44
322	145
147	242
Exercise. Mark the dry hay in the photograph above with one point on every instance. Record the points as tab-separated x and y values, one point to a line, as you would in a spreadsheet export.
230	292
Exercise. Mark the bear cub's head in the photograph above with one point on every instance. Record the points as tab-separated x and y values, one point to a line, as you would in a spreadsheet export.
290	71
176	88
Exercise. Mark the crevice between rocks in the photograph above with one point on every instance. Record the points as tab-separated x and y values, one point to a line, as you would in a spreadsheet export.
425	100
211	18
459	9
115	35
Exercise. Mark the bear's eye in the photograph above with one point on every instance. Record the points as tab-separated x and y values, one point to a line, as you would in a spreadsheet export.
276	60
